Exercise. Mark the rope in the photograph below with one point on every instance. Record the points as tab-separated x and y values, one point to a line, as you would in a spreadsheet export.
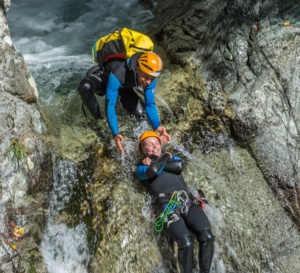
169	207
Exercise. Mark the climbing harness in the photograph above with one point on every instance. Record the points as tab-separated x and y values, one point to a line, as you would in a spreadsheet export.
177	198
169	207
198	196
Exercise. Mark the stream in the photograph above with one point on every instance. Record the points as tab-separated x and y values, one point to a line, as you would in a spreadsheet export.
99	216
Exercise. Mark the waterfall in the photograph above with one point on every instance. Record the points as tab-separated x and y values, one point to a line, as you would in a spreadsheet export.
64	248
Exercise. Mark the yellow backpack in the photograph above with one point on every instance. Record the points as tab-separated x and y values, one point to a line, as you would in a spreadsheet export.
122	43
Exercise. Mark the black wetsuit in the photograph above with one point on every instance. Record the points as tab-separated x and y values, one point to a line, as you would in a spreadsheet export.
117	79
163	178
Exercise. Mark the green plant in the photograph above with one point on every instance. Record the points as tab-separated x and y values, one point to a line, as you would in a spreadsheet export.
16	151
32	268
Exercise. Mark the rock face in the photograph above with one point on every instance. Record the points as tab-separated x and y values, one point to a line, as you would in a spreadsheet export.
25	162
219	81
233	73
248	53
4	5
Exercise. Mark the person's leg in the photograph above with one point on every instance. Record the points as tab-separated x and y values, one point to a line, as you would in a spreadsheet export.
89	86
206	250
185	253
198	223
177	229
131	102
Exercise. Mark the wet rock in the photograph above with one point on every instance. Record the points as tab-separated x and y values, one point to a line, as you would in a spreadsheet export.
25	165
231	71
247	53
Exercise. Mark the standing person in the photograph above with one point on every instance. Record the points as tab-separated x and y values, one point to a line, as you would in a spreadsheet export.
128	80
179	210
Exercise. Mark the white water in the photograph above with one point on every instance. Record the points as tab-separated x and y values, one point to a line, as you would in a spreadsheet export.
64	249
55	38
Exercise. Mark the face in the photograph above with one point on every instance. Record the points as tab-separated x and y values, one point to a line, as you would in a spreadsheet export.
152	146
143	79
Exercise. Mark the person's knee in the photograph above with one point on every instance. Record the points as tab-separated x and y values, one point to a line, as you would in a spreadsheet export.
185	242
91	84
86	90
86	86
139	111
205	235
135	107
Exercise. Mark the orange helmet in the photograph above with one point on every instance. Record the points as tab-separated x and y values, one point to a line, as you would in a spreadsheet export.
150	63
146	135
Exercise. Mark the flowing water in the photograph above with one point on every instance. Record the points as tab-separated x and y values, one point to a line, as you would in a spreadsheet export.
55	38
97	216
65	249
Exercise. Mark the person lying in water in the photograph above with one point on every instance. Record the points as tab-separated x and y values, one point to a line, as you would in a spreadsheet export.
182	215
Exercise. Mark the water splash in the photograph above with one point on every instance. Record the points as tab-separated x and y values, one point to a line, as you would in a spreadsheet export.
64	249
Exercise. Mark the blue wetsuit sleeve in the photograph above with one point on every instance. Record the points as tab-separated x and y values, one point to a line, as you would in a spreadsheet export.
141	173
151	108
112	89
175	157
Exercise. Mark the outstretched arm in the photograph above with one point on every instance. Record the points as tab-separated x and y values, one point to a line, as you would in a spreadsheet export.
113	86
150	107
152	112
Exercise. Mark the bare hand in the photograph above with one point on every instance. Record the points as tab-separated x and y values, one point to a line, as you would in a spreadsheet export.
162	132
118	139
169	154
147	161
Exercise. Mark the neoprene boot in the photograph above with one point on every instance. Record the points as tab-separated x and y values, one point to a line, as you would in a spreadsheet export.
185	254
206	250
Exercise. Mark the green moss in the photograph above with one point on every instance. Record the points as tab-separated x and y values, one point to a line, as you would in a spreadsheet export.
32	257
32	269
16	151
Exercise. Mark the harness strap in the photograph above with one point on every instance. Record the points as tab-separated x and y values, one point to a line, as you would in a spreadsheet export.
178	202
